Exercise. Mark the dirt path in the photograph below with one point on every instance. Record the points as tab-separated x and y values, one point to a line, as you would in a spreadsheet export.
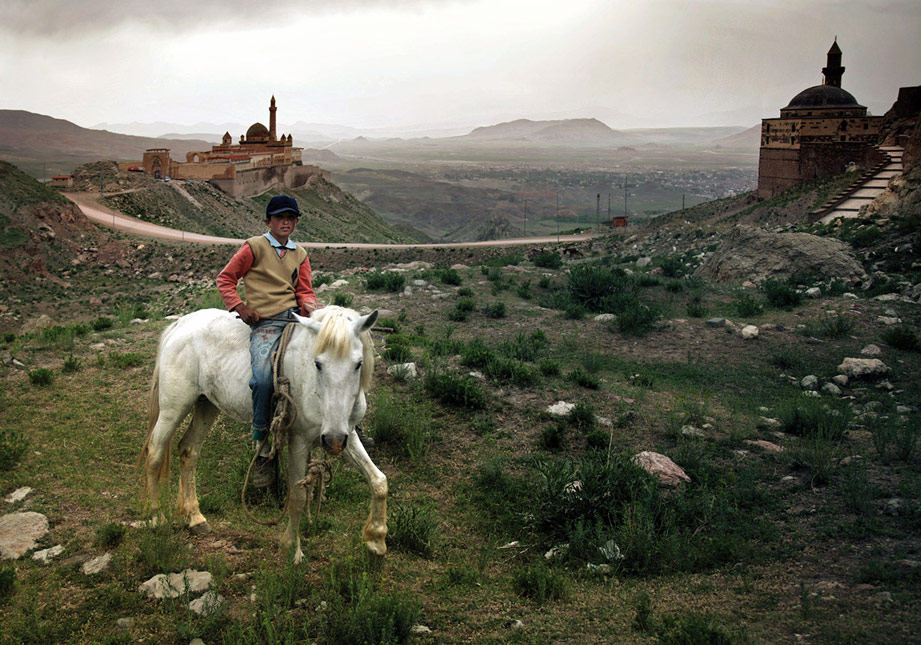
89	204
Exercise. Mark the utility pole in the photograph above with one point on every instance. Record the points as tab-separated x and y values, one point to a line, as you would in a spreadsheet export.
597	210
557	217
101	185
625	195
525	218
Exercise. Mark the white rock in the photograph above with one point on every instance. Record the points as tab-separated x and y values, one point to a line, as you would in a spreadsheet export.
666	470
516	624
643	262
831	388
814	292
605	317
97	564
840	380
749	331
405	370
420	629
767	446
175	584
20	532
207	604
338	283
127	622
18	495
691	431
47	554
810	382
871	350
862	367
561	408
408	291
887	320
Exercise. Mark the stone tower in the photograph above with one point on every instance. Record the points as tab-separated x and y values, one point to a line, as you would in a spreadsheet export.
833	70
272	111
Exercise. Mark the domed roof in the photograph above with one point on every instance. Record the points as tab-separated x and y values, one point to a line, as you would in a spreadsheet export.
257	131
823	96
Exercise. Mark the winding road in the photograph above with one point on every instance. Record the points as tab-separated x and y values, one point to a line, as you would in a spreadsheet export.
96	212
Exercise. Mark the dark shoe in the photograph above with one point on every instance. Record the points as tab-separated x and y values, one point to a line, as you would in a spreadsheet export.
263	472
365	440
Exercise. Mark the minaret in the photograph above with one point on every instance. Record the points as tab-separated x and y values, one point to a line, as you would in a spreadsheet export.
272	110
832	70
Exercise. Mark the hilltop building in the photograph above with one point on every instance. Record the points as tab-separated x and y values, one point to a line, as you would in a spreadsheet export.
259	161
820	132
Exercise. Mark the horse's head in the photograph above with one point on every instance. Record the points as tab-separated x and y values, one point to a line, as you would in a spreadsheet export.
344	361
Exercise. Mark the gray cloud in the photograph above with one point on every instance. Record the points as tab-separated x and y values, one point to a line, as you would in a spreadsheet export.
53	18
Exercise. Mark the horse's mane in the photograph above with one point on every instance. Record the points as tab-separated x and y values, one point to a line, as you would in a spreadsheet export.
335	336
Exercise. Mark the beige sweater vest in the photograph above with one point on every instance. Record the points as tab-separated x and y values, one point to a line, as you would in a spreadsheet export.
271	281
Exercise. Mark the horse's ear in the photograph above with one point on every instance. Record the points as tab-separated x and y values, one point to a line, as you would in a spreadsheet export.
309	322
365	323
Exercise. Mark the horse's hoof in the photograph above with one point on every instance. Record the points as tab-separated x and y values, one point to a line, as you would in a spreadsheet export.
202	528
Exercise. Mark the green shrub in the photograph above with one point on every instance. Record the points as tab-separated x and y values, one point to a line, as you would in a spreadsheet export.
9	337
363	614
575	311
599	288
397	353
317	281
597	439
674	286
465	292
525	347
413	528
582	416
902	337
449	276
465	304
13	445
457	390
806	416
696	307
544	282
343	299
638	319
781	295
126	360
672	266
688	629
71	365
389	281
162	549
110	535
747	306
787	359
41	376
495	310
102	323
7	581
553	436
549	367
524	290
580	377
548	260
402	426
864	237
830	326
540	583
458	315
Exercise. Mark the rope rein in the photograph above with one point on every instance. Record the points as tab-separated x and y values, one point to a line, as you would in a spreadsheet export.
318	472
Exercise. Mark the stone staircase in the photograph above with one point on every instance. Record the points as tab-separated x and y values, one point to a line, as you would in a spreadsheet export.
865	189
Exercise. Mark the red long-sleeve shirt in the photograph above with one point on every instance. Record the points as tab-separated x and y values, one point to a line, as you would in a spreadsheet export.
242	261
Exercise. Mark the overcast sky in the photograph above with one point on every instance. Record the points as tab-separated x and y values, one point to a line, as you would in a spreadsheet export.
402	63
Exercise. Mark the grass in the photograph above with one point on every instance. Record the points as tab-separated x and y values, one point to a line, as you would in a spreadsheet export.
474	464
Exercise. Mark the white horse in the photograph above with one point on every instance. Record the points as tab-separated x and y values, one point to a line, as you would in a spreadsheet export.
203	366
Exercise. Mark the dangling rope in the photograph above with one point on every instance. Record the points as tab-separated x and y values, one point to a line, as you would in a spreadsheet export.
284	417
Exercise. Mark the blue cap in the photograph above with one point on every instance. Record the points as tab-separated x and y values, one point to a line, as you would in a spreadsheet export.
281	204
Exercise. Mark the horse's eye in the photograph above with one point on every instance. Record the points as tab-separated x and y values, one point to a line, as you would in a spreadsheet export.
318	366
358	367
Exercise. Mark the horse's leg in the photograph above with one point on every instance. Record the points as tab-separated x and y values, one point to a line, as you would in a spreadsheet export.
298	451
157	449
189	450
375	529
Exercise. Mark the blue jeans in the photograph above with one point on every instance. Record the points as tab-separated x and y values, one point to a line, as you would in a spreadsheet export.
263	341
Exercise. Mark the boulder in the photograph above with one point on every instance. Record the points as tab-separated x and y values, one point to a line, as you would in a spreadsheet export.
863	368
175	584
664	469
20	532
749	332
750	253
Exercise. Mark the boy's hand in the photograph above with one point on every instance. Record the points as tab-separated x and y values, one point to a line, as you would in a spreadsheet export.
249	316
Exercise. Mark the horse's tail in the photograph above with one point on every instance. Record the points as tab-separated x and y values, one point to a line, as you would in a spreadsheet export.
153	413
